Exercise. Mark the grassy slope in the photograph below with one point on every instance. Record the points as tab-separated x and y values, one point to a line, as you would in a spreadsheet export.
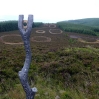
63	67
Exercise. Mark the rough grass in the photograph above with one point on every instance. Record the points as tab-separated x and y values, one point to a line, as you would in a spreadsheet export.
64	68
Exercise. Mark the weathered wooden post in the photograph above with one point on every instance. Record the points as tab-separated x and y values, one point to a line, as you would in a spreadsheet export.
23	74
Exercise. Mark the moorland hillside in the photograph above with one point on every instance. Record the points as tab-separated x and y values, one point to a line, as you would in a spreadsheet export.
64	64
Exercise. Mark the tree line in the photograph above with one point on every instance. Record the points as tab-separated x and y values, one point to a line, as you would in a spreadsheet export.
77	28
13	25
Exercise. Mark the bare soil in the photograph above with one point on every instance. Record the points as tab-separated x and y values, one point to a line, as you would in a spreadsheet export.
86	38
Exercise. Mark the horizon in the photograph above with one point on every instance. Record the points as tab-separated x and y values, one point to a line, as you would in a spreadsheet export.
14	19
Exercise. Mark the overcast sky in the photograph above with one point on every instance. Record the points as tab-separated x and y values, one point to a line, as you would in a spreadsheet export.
49	10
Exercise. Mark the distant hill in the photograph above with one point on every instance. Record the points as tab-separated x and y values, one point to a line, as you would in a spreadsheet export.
94	22
89	26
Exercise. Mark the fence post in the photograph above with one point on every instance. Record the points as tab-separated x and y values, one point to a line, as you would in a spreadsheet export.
23	74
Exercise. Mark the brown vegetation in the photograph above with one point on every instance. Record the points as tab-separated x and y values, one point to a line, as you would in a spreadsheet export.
62	63
11	39
40	39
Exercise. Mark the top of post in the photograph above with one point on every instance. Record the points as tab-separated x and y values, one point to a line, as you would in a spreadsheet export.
29	22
